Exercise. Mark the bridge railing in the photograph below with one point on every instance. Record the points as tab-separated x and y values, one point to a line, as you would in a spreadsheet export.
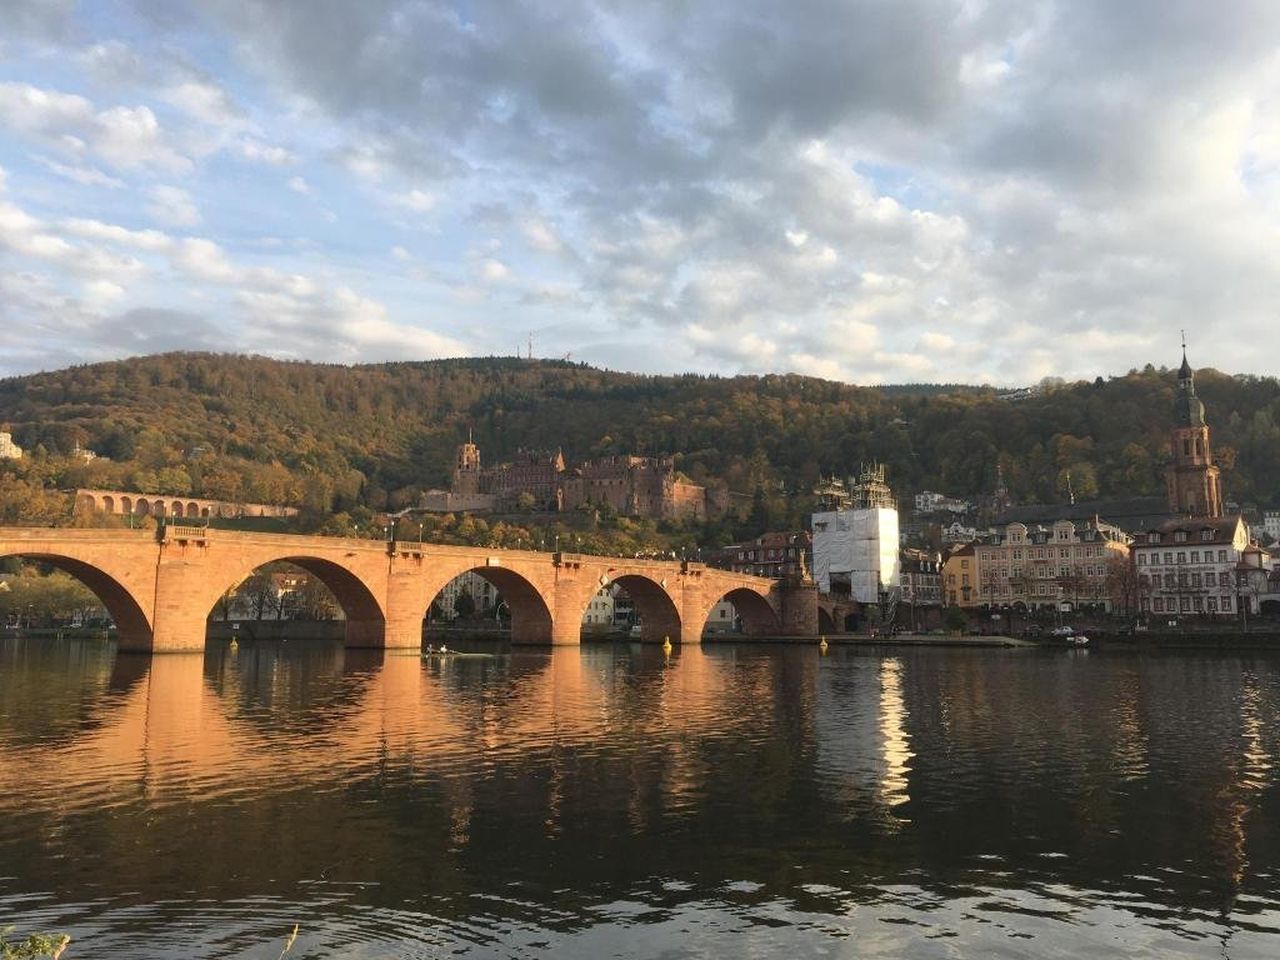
184	533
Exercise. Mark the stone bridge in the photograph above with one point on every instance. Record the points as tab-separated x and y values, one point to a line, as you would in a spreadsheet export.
161	586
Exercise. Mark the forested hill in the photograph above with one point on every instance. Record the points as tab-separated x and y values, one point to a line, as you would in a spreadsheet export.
325	436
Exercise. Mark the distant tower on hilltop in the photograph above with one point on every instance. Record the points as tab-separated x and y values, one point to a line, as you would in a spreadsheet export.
1195	487
466	470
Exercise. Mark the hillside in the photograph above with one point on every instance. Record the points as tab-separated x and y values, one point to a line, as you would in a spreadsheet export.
331	437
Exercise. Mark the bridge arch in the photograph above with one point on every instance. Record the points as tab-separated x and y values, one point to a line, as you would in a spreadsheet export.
658	613
531	618
365	618
757	616
133	624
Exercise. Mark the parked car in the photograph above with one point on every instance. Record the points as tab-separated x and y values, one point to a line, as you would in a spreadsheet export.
1062	631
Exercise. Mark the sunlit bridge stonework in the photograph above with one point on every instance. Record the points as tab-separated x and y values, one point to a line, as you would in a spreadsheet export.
160	586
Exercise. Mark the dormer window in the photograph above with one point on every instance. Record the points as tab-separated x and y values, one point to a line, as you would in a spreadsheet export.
1180	536
1206	534
1153	538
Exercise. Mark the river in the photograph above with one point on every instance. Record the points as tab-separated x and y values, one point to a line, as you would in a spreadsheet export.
614	801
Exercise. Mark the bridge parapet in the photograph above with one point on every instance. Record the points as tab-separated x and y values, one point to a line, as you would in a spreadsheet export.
184	533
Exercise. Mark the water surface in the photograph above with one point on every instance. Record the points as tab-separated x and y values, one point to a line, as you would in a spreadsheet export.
726	801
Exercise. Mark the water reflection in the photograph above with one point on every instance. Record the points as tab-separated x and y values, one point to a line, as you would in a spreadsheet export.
614	800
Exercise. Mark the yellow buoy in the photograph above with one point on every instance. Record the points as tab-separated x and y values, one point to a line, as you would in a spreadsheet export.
234	645
666	644
822	644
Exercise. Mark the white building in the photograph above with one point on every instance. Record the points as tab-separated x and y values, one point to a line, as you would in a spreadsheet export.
8	449
1271	524
959	533
857	548
599	612
1189	566
928	501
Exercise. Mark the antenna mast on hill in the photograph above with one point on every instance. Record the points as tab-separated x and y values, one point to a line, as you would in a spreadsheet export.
530	345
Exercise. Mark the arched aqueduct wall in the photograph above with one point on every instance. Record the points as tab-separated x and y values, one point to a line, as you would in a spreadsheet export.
125	503
160	586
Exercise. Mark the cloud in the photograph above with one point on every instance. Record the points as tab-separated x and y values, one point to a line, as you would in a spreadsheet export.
125	137
83	174
852	188
415	201
173	207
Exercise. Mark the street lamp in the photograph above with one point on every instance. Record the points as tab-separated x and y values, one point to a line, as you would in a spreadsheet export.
420	527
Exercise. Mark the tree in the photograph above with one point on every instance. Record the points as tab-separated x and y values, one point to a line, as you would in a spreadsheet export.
954	619
258	594
464	604
1122	584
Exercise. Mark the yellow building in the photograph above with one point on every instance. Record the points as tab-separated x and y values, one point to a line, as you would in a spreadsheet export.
960	577
1067	564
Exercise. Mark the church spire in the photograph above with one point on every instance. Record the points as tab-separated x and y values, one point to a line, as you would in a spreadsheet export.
1187	408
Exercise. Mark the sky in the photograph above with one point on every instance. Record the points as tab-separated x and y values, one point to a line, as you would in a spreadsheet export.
871	191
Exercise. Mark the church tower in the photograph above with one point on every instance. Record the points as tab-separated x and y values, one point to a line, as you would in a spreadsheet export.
1195	488
466	470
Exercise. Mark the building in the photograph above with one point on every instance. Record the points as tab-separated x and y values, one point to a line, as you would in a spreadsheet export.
484	596
599	614
1191	566
855	551
928	501
1271	524
635	487
8	449
921	573
957	532
632	486
775	555
960	577
1067	565
1195	486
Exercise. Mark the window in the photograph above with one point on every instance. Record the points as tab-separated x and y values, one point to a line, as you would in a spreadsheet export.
1141	560
1184	604
1195	556
1168	558
1226	604
1212	605
1222	556
1158	605
1182	556
1180	536
1153	538
1206	534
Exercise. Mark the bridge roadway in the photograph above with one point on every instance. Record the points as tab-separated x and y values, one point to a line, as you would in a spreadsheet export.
161	586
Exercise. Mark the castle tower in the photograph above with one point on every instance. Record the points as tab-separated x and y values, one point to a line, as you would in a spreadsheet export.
1195	487
466	470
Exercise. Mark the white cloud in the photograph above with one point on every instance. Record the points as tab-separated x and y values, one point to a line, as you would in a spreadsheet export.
492	271
126	137
151	241
401	254
299	185
173	207
541	236
83	174
130	137
258	152
415	201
